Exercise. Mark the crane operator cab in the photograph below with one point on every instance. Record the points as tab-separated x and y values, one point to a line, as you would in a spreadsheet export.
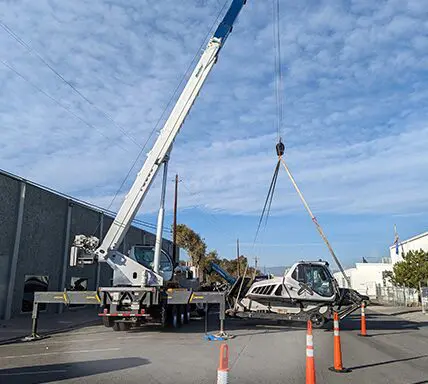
173	275
145	255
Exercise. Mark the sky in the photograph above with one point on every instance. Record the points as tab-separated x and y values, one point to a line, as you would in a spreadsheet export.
355	91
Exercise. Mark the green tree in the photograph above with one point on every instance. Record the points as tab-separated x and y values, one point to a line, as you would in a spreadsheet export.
412	271
196	248
192	242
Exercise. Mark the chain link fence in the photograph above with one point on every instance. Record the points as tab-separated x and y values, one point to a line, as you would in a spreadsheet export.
397	296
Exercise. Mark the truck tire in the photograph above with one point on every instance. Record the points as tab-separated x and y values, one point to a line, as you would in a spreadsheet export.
124	326
174	317
187	314
163	316
116	326
108	321
181	314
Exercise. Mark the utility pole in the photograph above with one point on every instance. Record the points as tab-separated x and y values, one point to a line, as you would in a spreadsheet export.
237	257
174	225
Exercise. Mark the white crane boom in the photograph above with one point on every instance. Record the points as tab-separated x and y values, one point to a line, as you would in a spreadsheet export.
107	251
142	183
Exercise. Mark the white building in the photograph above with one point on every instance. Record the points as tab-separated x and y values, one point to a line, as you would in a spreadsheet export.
413	244
364	277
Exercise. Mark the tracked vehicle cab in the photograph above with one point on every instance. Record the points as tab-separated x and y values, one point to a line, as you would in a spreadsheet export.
314	279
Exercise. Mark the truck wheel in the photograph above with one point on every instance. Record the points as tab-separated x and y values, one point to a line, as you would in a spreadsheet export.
124	326
108	321
163	316
181	314
174	317
187	314
116	326
200	310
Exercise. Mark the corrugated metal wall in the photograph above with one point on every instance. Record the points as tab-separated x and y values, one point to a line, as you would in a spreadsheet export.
39	243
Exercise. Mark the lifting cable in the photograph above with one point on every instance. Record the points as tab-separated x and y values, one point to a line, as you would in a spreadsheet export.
280	149
279	120
315	221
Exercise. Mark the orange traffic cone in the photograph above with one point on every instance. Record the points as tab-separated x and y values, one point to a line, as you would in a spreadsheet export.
363	321
310	362
338	366
223	365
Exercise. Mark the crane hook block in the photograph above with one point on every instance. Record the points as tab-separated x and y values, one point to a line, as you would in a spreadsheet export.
280	148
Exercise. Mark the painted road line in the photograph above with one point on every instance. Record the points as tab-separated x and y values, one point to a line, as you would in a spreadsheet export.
33	372
60	353
133	337
49	343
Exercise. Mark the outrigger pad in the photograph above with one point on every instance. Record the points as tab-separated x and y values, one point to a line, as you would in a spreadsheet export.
221	336
34	337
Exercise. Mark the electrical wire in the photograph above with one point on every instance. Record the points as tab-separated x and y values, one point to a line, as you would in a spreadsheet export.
172	98
32	51
26	79
214	221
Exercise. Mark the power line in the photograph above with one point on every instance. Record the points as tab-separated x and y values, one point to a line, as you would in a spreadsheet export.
214	220
32	51
6	64
76	200
161	117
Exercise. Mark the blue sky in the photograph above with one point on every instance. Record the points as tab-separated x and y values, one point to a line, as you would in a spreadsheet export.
355	115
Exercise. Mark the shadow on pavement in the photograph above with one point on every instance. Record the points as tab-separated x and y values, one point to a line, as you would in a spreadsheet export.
55	372
389	333
387	362
353	323
235	327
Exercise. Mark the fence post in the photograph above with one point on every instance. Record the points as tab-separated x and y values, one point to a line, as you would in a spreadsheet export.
404	295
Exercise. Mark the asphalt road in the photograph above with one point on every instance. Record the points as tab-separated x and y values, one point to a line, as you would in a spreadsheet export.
396	352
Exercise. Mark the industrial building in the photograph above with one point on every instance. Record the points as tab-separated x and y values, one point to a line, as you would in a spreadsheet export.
415	243
365	277
37	229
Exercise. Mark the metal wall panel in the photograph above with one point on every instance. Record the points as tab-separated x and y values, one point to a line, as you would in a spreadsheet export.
42	241
42	247
9	199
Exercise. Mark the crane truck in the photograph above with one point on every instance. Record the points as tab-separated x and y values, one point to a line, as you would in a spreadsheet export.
145	287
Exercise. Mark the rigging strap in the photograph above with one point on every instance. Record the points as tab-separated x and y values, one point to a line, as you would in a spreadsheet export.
315	221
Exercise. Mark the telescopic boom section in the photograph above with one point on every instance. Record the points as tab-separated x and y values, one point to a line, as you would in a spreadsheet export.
145	177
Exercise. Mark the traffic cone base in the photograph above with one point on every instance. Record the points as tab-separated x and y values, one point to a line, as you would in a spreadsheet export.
343	370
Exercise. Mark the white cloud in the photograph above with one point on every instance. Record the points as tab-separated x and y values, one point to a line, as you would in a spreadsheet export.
355	92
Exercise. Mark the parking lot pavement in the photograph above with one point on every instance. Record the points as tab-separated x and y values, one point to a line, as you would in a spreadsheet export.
396	353
20	326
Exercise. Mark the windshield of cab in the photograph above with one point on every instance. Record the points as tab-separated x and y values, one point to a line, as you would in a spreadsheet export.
316	277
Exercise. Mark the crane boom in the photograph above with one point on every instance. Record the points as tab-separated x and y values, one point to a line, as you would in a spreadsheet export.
168	133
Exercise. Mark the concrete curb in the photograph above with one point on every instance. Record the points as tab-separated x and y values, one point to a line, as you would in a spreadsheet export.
52	331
